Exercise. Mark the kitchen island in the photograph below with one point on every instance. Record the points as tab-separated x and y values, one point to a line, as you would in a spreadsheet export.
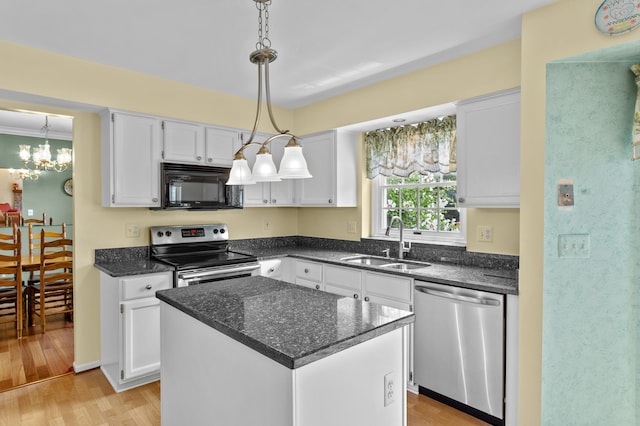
259	351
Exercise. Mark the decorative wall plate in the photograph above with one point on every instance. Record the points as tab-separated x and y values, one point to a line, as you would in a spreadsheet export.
617	16
67	186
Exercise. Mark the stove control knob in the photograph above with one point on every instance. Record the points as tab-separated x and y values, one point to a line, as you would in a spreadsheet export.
215	231
160	233
222	231
168	233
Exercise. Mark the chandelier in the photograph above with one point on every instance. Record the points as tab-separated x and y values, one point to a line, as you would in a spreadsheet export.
293	164
41	160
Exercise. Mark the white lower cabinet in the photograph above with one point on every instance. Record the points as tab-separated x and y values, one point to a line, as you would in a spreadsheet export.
389	290
343	281
130	328
309	274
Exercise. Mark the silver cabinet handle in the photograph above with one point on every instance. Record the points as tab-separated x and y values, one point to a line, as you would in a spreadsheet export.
330	201
149	287
199	157
461	200
458	297
355	296
265	201
366	299
274	201
271	270
210	160
155	200
317	286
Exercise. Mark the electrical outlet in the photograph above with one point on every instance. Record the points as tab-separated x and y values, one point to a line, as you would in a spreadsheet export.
132	231
29	212
485	233
351	227
389	388
573	245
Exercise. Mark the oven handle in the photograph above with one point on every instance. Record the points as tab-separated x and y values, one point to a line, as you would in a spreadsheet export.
194	276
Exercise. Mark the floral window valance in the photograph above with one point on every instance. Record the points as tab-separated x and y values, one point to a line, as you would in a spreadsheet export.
426	147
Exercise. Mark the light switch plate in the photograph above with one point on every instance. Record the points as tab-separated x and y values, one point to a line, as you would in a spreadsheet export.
574	245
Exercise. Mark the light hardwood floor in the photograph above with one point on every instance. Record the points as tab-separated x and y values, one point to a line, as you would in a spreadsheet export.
36	356
88	399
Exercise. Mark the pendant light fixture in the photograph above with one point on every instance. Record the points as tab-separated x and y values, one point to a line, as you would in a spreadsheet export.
293	164
41	160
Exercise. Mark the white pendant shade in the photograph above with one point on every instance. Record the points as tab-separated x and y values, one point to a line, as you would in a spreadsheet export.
240	173
293	164
264	170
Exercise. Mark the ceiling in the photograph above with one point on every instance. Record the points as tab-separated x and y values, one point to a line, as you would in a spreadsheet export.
325	47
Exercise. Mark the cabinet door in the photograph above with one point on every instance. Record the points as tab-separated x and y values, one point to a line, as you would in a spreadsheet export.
183	142
141	334
319	151
342	291
488	138
220	146
389	287
268	194
310	284
281	193
136	143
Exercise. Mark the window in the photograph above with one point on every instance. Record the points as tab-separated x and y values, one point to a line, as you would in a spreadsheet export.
425	203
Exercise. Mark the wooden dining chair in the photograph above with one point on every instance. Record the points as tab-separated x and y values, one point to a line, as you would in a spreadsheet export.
41	222
35	245
11	300
53	294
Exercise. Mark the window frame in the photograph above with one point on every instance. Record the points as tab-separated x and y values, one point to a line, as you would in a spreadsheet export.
378	220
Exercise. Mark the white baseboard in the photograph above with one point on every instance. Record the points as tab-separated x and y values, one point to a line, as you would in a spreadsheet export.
78	368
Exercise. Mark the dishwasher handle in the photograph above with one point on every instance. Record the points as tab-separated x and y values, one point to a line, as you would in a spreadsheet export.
458	297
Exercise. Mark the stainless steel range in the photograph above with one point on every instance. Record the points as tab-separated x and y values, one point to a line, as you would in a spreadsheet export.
199	253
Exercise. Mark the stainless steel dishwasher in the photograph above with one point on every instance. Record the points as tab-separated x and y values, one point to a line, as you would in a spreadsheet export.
459	347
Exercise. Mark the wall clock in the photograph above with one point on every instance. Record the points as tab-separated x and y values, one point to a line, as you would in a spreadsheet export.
67	186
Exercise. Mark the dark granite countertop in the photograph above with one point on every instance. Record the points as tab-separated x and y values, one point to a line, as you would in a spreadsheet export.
484	279
122	262
122	268
290	324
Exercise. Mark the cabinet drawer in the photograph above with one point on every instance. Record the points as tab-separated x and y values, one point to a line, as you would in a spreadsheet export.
271	268
388	286
348	278
145	285
309	271
341	291
309	284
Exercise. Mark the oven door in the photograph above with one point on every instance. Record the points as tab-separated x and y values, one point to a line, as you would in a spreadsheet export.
207	275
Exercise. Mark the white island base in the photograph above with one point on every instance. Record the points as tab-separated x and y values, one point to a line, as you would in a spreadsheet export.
208	378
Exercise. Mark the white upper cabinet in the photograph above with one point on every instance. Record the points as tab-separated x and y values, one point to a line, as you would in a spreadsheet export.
183	142
220	145
268	194
332	160
198	144
488	151
131	149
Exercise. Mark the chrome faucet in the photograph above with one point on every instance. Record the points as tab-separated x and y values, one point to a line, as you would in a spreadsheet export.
402	248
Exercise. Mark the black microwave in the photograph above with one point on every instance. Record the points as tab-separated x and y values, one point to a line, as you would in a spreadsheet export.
194	187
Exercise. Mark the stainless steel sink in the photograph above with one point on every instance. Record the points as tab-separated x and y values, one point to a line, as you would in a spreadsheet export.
405	265
368	260
385	262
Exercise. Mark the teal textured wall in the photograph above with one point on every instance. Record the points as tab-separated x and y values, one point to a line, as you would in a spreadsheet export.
45	194
590	331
